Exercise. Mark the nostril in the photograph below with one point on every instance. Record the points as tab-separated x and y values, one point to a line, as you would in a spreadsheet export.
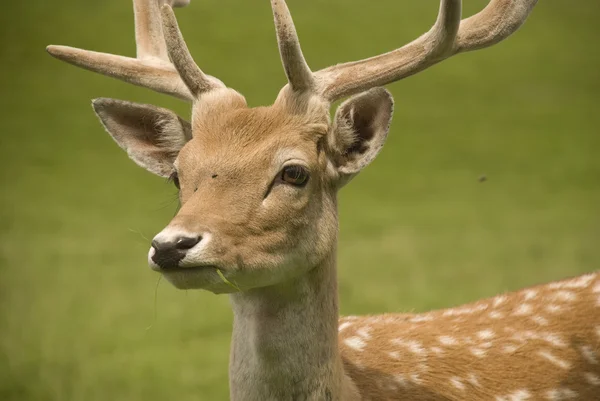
156	245
187	242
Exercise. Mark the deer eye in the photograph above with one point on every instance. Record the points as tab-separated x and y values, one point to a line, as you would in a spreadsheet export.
174	178
295	175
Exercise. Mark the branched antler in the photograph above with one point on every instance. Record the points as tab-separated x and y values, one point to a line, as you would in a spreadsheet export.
158	43
152	68
446	38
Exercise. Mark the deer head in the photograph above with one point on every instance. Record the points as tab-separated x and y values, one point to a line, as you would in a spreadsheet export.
258	185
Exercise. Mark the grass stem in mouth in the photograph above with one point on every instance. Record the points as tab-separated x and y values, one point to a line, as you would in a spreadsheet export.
229	283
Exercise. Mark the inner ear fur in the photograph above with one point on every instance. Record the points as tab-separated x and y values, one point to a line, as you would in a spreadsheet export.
152	136
361	125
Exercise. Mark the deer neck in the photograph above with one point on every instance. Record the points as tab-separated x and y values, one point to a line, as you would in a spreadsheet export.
285	340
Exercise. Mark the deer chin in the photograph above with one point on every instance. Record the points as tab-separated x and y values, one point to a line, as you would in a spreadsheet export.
209	278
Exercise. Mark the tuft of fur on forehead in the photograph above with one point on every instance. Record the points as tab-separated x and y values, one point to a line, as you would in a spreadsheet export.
245	127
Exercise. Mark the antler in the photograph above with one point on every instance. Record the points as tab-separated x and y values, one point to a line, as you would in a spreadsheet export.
446	38
152	68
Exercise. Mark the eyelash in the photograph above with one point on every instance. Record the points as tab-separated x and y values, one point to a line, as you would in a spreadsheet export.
279	179
174	178
295	175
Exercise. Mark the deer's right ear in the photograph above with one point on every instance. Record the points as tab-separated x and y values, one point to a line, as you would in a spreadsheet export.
151	136
360	129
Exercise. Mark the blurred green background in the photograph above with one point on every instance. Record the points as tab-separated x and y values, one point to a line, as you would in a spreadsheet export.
418	228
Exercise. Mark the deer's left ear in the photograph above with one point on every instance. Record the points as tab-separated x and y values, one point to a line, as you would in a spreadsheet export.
360	129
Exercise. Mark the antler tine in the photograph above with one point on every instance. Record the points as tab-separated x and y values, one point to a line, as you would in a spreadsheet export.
299	75
148	30
151	69
160	77
350	78
196	81
180	3
496	22
448	36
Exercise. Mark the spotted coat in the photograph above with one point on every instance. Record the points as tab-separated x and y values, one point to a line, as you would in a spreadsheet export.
542	343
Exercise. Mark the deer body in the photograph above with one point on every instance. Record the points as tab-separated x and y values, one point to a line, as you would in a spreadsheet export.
540	343
258	220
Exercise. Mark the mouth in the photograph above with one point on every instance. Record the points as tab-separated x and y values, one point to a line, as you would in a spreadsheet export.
207	277
179	269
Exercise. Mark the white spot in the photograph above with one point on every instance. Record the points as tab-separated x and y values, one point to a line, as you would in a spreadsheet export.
554	359
509	349
465	310
447	340
486	344
415	378
578	282
456	382
542	321
385	319
567	392
499	300
478	352
415	347
589	354
554	339
421	318
551	338
364	332
485	334
437	350
473	380
529	294
355	343
565	296
496	315
412	345
394	354
559	394
401	380
592	378
553	308
553	395
596	289
582	281
457	312
523	309
519	395
344	326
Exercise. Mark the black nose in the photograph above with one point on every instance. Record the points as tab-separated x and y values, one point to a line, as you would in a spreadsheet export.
168	254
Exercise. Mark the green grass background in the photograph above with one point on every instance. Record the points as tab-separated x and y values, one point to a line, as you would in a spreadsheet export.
418	230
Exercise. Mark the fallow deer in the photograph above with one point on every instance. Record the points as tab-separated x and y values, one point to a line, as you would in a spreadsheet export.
258	220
